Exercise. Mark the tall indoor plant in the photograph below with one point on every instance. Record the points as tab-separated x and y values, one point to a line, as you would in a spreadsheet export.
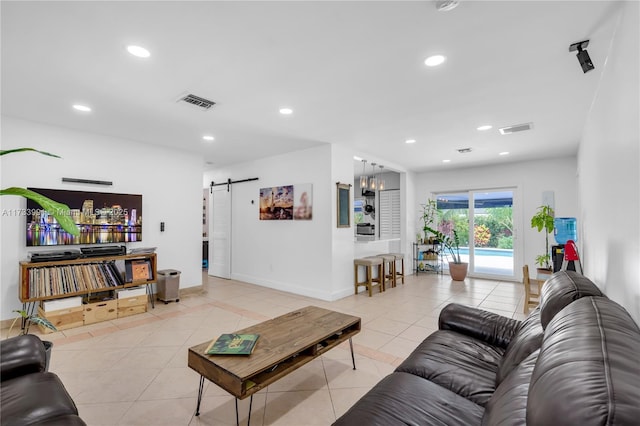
457	268
429	217
543	221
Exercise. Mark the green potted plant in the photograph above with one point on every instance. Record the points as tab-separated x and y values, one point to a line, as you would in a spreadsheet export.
429	217
457	268
62	214
27	320
58	210
543	221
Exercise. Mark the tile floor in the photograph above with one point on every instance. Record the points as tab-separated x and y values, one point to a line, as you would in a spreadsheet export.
133	371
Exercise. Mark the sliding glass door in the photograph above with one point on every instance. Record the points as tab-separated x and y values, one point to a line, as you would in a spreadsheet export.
484	222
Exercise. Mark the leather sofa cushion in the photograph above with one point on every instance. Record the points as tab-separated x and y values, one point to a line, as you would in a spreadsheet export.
21	355
588	371
508	405
560	290
66	420
405	399
457	362
487	326
526	340
32	398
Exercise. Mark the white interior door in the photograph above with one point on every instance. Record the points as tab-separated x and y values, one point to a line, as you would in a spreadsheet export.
220	232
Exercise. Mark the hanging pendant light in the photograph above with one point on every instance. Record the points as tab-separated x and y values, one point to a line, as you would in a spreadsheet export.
372	180
363	177
380	179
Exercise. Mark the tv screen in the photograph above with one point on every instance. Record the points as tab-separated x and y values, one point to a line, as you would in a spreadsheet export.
102	217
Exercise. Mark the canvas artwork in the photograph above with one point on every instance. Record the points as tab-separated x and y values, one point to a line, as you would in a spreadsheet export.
276	203
303	201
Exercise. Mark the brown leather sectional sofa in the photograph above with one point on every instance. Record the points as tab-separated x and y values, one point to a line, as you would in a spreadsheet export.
573	361
30	395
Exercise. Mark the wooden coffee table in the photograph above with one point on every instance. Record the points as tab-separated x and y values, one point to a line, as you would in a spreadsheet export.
286	343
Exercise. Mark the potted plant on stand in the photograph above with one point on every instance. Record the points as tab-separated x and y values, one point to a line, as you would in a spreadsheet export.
457	268
543	221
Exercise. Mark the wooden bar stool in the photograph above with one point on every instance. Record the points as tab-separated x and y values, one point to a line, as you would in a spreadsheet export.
399	257
388	269
369	263
531	298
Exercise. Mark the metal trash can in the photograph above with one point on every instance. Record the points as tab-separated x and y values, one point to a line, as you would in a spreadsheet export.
168	285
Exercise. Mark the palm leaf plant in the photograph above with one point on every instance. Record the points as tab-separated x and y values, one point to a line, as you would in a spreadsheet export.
27	320
59	211
451	244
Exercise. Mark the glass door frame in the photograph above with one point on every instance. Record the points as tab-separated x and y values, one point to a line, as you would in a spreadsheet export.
517	227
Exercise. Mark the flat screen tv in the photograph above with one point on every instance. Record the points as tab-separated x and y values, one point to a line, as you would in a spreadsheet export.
102	217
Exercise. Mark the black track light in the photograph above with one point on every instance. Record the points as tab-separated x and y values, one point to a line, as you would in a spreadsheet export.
583	55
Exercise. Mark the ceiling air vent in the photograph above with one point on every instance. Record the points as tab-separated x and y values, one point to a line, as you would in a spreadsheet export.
516	128
464	150
197	101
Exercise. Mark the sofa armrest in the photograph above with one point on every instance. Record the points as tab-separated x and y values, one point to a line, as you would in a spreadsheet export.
21	355
483	325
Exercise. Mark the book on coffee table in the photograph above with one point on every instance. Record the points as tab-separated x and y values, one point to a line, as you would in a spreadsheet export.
232	344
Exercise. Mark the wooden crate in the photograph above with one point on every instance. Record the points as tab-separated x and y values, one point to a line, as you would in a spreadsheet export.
132	306
63	318
100	311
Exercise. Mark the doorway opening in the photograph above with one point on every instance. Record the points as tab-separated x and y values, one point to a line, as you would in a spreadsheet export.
483	220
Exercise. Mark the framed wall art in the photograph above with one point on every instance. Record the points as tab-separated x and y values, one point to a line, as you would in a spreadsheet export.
344	209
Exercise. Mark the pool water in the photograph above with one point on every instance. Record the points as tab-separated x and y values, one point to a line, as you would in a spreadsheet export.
488	252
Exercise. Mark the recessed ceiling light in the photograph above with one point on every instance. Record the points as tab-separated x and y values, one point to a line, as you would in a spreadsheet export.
446	5
434	60
485	127
355	157
504	153
138	51
286	111
82	108
410	141
208	138
446	161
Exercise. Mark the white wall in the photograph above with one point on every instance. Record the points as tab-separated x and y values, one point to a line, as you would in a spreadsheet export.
409	199
293	256
342	246
608	166
312	258
532	178
169	181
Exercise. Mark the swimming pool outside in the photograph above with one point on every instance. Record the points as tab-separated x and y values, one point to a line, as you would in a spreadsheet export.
489	261
487	251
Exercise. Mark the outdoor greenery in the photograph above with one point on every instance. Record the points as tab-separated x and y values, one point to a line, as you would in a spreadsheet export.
58	210
493	228
481	235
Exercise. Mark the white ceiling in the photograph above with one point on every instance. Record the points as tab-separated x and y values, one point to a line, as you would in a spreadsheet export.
353	72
